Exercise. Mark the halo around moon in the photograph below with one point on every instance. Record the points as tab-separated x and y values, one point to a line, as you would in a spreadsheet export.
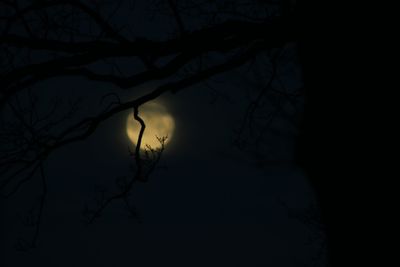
159	123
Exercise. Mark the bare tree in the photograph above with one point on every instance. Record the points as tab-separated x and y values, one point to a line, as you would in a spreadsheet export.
52	39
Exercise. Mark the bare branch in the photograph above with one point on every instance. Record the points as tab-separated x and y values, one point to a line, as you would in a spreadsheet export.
177	16
222	38
138	176
47	39
101	22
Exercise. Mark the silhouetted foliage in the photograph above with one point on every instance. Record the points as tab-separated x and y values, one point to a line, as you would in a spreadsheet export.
195	42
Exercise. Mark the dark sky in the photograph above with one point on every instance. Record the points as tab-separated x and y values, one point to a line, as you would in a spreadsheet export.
209	204
212	205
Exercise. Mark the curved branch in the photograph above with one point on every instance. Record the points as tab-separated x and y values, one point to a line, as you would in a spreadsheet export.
222	38
91	124
138	174
128	82
138	143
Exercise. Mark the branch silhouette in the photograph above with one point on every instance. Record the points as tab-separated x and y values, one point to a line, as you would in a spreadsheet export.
48	39
221	38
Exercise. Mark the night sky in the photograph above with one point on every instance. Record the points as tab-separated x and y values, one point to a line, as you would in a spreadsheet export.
208	203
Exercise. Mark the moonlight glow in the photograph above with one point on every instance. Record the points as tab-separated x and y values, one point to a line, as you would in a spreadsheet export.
159	123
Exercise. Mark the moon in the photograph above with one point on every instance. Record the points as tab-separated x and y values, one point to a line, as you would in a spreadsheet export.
159	123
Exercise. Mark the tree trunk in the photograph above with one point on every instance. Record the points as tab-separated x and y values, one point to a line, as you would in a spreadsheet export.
327	146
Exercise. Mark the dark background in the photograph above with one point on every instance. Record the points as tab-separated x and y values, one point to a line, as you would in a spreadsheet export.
207	208
209	203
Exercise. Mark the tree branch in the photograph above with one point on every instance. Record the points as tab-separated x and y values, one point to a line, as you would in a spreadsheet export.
177	16
89	125
96	17
222	38
138	174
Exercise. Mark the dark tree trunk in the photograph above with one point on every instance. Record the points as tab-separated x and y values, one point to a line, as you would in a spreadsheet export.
328	145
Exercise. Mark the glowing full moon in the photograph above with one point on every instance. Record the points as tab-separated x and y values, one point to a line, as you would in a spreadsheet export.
159	123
